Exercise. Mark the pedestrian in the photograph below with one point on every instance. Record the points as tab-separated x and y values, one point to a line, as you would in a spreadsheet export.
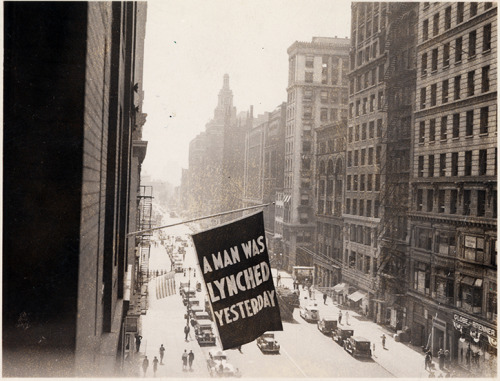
162	353
324	298
441	358
428	360
347	317
383	340
145	364
447	359
186	331
310	292
184	360
340	317
278	279
138	339
155	365
191	359
239	348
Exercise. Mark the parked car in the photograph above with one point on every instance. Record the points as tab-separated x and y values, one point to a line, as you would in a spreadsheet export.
204	333
358	346
310	313
193	310
198	315
178	267
185	291
341	334
190	302
267	343
327	325
218	366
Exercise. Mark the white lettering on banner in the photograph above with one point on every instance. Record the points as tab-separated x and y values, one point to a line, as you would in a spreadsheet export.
480	327
251	307
253	277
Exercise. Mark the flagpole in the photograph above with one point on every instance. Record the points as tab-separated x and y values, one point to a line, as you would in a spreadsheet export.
200	218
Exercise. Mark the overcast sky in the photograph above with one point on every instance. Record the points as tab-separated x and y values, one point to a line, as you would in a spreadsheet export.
189	46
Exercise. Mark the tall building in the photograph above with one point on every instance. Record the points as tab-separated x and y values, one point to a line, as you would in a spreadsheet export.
317	93
453	270
72	155
382	88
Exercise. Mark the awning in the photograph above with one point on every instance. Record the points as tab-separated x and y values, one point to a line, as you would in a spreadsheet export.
356	296
467	280
339	287
287	198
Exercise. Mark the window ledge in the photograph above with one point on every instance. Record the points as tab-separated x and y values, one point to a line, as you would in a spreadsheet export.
458	62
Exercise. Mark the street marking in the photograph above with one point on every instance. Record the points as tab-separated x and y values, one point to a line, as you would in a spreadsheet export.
294	363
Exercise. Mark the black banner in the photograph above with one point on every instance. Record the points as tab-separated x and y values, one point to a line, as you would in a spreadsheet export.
235	265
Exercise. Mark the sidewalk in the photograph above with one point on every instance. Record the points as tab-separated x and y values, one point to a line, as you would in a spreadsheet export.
397	358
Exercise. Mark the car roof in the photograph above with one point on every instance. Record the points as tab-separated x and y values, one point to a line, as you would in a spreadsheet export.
204	322
359	338
329	318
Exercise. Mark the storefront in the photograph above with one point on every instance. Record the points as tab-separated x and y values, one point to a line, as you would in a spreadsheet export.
340	291
477	345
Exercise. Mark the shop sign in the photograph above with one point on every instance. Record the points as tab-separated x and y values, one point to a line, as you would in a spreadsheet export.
490	332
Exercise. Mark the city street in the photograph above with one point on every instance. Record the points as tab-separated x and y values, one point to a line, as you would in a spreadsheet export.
305	351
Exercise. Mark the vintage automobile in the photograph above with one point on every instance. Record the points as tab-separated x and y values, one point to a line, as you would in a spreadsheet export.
185	291
190	302
194	309
204	333
341	334
178	267
310	313
358	346
267	343
327	325
218	365
198	315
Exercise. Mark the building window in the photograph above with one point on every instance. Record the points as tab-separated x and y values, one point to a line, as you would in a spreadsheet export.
456	125
381	73
468	163
470	295
472	43
380	102
423	239
371	129
422	97
444	127
433	94
420	196
432	130
482	162
309	61
446	55
430	201
421	135
379	128
453	201
460	12
378	154
442	165
369	182
363	156
308	94
435	26
434	62
488	5
363	131
445	91
431	166
458	49
424	64
354	206
425	30
420	166
467	194
348	206
469	125
447	18
377	182
372	102
355	183
485	79
324	114
454	164
349	158
307	112
470	83
356	158
361	207
309	77
441	201
483	124
487	38
473	9
374	76
376	208
356	133
457	87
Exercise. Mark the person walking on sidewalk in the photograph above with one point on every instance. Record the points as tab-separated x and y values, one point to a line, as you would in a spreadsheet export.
191	359
347	317
324	298
145	365
383	340
428	360
340	317
155	366
138	339
162	353
441	359
186	331
184	360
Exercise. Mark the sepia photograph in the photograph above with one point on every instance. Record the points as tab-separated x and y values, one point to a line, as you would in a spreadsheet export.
197	189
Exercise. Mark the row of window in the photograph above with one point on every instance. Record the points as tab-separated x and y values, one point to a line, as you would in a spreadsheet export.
458	51
364	156
437	164
361	234
430	134
366	80
362	211
367	131
365	107
459	17
372	182
326	96
447	201
457	88
358	261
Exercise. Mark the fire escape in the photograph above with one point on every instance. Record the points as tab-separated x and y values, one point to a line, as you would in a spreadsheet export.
392	276
145	201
